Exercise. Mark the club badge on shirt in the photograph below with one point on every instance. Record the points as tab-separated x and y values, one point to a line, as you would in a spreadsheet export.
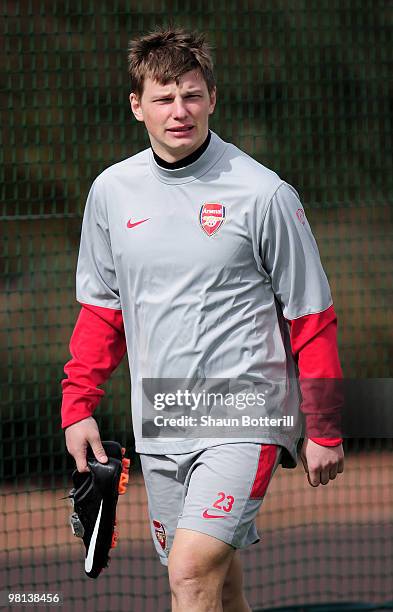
211	217
300	215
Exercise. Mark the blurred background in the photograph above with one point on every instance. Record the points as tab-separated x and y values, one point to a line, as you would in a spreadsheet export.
305	87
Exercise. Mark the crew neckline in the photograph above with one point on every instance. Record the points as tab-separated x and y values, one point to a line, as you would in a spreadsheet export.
186	161
214	151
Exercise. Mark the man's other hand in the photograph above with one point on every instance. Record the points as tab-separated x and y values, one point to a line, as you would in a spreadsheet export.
78	436
321	463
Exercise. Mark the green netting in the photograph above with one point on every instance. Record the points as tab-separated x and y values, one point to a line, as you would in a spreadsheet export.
305	87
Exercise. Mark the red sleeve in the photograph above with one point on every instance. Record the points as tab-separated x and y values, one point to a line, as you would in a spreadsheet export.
97	346
314	347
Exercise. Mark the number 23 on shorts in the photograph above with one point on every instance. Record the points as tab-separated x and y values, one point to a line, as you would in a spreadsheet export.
226	507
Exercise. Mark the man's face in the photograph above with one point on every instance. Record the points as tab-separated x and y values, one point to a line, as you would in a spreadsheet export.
176	116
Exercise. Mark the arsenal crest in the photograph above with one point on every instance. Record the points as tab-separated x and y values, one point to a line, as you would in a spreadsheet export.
211	217
160	534
300	215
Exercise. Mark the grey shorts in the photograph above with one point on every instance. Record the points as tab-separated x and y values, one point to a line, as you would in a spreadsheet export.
217	491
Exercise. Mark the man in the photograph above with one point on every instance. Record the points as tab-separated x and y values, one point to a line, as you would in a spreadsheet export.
199	262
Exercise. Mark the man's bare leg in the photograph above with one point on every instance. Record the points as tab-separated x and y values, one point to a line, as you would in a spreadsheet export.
233	598
197	565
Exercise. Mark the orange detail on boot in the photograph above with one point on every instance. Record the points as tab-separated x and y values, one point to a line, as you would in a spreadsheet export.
115	537
123	483
125	465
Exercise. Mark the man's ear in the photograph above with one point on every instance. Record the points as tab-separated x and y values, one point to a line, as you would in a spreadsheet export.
136	107
213	100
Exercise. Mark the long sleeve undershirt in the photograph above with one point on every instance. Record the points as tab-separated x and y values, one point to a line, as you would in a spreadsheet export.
98	345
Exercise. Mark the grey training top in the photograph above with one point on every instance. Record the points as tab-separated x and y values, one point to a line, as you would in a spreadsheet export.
205	262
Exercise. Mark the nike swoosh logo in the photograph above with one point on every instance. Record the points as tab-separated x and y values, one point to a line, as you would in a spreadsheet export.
129	224
207	515
90	553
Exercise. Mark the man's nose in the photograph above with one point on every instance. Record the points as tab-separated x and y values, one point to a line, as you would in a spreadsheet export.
179	110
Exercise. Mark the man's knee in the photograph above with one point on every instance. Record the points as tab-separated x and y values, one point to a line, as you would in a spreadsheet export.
198	562
186	572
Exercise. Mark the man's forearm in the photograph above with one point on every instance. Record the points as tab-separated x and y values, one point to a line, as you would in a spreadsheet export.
97	346
314	346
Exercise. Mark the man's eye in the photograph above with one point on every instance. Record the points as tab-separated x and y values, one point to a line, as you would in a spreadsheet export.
170	99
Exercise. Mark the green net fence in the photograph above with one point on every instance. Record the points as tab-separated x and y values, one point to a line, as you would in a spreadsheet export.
305	87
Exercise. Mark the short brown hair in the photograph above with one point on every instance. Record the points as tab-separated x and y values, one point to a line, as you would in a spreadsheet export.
164	55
